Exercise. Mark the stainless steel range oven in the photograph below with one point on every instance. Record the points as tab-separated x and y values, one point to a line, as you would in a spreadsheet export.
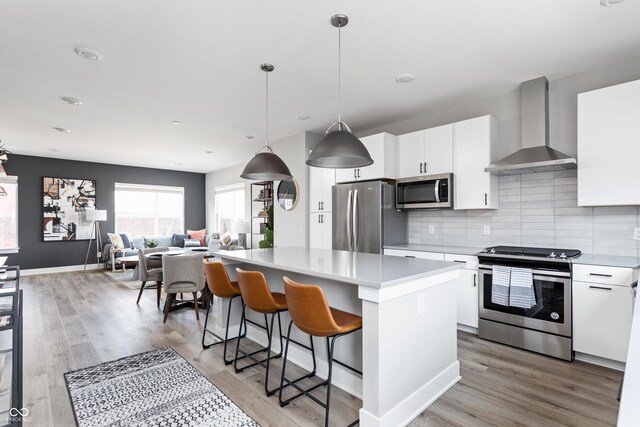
545	327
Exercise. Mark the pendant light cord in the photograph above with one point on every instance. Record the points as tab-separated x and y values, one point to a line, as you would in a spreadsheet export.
339	76
267	108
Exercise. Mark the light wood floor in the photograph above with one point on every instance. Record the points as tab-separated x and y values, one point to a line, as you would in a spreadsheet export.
74	320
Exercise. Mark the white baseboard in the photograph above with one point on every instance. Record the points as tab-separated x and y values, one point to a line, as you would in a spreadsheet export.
64	269
466	328
601	361
404	412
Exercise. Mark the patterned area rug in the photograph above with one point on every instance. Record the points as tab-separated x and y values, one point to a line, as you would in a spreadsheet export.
156	388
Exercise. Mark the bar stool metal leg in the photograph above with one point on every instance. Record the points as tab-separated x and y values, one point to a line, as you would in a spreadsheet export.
226	339
283	379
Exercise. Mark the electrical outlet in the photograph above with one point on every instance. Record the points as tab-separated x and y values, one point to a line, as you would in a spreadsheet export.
421	307
636	233
432	228
486	230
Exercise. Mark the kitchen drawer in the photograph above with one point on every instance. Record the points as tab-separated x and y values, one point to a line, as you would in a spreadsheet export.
415	254
604	274
470	260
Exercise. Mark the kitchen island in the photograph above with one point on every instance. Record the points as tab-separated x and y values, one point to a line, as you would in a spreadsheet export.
407	347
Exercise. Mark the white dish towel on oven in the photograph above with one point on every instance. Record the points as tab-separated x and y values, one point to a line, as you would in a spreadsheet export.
500	283
522	294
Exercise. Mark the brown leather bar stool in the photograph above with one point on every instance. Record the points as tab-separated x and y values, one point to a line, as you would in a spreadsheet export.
310	313
222	287
257	296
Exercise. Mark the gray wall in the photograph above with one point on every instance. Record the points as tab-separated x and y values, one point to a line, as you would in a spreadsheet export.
34	253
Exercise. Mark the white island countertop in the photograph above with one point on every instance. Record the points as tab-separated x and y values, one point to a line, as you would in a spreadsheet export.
372	270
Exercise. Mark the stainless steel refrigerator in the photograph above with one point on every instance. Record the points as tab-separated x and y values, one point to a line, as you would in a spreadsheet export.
365	218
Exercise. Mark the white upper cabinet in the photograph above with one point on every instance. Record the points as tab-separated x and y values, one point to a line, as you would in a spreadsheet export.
382	148
609	146
473	187
426	152
321	181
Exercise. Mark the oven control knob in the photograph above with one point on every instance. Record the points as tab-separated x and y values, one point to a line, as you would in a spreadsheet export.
563	255
552	255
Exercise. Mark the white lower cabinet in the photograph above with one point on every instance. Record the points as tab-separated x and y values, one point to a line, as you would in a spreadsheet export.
602	319
466	284
320	230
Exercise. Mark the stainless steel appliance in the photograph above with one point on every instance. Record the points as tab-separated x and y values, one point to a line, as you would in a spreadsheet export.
420	192
365	218
544	328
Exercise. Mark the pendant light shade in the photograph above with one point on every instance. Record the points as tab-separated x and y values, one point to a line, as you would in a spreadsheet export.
339	148
266	165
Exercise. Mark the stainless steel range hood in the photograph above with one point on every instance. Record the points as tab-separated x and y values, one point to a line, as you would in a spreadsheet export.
535	154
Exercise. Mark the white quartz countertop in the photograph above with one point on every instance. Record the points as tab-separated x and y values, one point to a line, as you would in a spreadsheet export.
629	412
609	260
372	270
459	250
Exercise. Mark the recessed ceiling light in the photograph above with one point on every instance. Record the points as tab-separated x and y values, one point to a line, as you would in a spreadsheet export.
176	122
89	54
62	130
71	101
54	150
208	152
304	116
249	138
178	164
405	78
607	3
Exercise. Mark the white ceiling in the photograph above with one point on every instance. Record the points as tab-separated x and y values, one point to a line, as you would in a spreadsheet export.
198	62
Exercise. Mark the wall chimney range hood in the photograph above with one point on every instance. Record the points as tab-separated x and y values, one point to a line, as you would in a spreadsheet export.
535	154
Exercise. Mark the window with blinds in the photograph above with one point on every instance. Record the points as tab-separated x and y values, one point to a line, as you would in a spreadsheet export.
149	210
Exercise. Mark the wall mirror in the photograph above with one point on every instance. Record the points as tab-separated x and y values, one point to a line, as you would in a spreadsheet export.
288	194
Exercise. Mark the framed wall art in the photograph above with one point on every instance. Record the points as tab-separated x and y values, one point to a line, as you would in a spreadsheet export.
64	202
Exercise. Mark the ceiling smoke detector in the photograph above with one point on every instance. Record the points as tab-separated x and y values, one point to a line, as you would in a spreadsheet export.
405	78
304	116
176	122
71	101
61	130
249	138
89	54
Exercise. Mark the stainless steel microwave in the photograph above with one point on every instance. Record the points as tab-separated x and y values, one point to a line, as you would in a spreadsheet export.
424	192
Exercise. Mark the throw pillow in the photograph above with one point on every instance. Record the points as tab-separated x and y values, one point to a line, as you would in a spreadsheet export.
116	240
192	243
178	240
126	243
198	234
225	239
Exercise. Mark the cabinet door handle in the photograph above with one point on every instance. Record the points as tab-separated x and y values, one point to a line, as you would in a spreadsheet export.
409	256
600	275
319	206
601	287
421	167
485	199
318	218
358	172
475	280
457	260
355	175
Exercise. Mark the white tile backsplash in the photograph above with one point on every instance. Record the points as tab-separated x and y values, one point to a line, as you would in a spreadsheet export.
535	210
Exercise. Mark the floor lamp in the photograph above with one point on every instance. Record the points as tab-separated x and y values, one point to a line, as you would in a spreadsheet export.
96	216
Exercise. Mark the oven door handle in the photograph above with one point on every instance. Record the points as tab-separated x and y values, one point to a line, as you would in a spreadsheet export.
545	273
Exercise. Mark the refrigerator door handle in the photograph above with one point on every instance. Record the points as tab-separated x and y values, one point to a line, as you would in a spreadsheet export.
349	212
355	220
437	190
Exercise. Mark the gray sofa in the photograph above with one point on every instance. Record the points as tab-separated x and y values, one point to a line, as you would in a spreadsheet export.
138	243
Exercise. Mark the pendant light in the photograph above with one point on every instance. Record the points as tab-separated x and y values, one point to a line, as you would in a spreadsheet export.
265	165
339	148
